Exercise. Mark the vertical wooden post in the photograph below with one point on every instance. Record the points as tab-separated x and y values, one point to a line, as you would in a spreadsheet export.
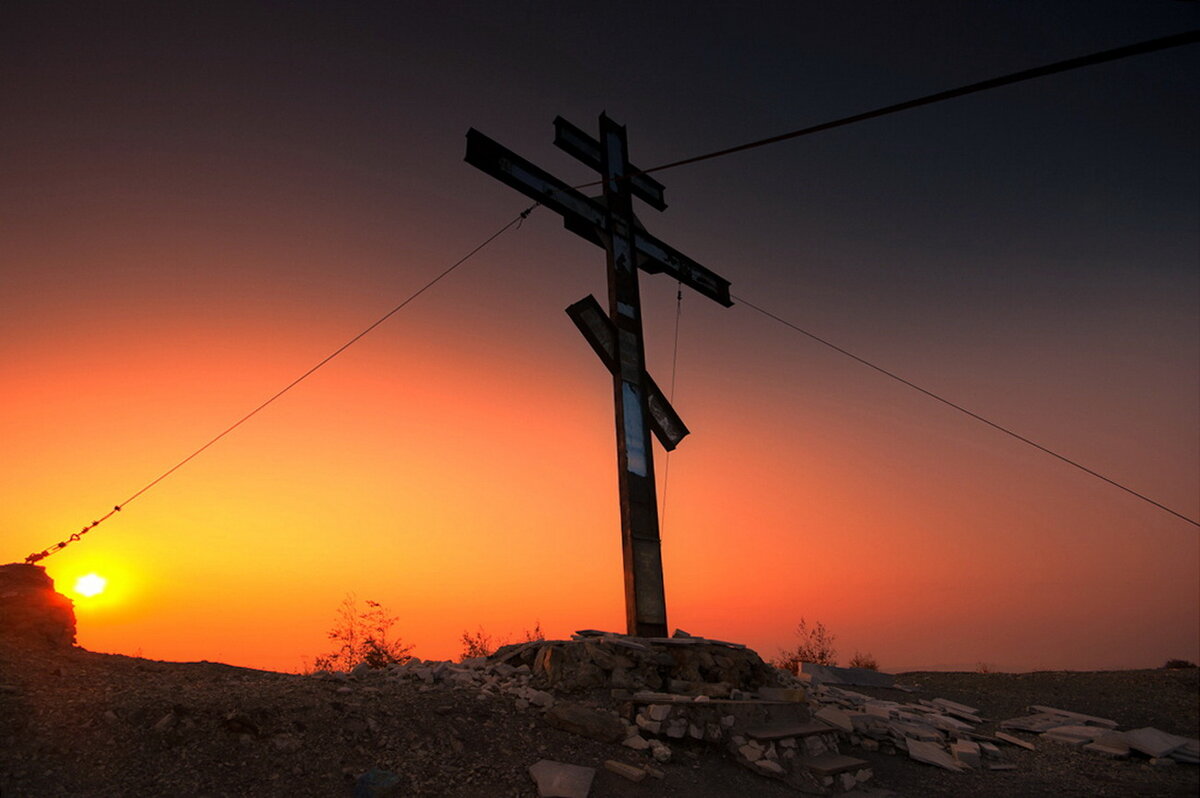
645	600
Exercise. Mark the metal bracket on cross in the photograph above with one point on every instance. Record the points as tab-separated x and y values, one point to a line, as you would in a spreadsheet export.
640	406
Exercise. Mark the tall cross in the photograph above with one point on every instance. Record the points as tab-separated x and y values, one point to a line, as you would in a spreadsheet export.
641	408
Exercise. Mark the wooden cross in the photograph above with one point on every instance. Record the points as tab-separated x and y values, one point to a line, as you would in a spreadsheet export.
616	337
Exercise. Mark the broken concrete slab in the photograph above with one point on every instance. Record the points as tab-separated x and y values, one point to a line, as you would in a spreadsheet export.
1154	742
561	780
1074	735
1079	718
966	752
835	718
1034	723
934	754
1014	740
951	706
829	674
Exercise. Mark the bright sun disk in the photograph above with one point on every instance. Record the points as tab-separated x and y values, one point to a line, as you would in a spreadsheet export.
90	585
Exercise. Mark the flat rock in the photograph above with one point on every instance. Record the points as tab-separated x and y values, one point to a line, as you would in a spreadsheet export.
1154	742
585	721
966	752
781	730
951	706
829	674
1079	718
832	764
1075	735
1034	723
835	718
933	754
561	780
1014	740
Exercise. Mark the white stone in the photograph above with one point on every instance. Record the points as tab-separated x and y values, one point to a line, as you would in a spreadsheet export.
637	742
560	780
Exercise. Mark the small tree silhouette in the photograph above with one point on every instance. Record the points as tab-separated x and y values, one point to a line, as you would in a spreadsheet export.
362	637
815	645
860	660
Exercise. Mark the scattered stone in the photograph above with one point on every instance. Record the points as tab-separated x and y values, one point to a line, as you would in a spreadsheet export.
770	766
828	674
1014	740
621	769
933	754
1153	742
836	718
561	780
966	752
1086	720
1033	723
1076	736
1161	762
637	742
660	751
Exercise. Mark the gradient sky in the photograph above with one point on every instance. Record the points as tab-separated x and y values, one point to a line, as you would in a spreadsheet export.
199	202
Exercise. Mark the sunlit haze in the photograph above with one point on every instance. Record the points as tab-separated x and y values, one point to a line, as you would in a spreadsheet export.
200	203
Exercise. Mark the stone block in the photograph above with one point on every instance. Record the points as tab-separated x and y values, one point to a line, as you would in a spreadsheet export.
637	742
966	752
561	780
622	769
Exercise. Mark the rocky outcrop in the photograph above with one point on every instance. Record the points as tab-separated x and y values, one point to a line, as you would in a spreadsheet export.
31	611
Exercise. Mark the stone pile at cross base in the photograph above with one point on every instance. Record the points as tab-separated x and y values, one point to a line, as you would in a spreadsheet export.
31	610
650	694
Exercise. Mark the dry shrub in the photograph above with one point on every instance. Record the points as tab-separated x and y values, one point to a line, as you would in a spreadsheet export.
362	637
815	644
867	661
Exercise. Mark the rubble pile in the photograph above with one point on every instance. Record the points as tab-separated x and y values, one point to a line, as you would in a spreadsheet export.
31	610
947	734
649	694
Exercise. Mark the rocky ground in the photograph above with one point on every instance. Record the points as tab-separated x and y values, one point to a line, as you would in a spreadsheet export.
77	723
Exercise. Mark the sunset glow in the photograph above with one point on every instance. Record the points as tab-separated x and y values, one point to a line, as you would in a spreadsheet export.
199	205
90	585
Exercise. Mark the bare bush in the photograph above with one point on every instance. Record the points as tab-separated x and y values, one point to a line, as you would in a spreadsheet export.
477	645
864	661
362	637
1178	663
481	644
815	644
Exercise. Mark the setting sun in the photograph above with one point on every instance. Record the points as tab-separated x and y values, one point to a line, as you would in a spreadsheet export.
90	585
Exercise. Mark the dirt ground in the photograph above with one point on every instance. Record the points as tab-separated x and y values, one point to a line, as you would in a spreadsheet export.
77	723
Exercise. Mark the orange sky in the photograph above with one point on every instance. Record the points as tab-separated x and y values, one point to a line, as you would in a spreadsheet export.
171	263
